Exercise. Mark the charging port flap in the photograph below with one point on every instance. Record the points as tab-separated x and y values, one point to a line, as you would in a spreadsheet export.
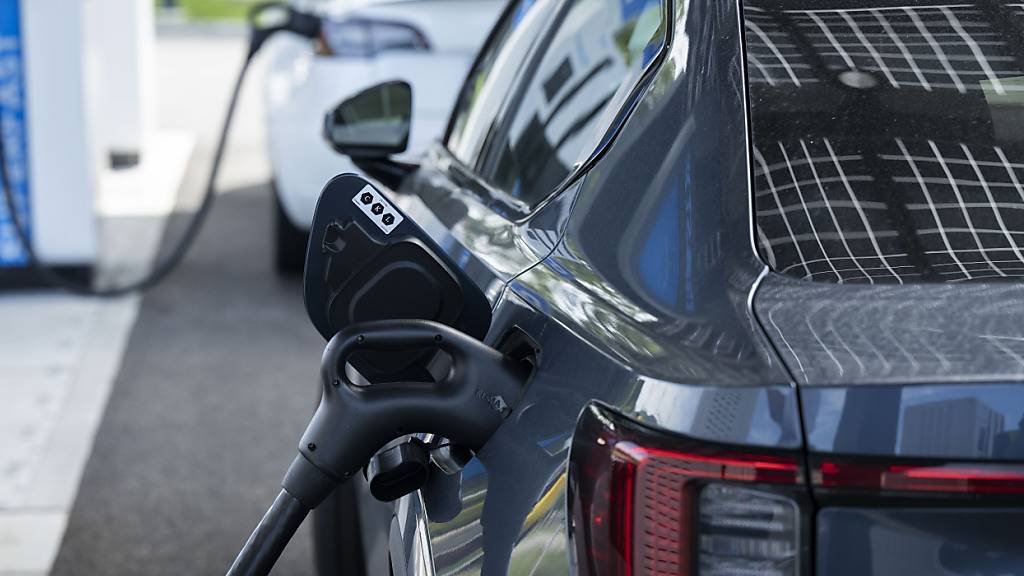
368	261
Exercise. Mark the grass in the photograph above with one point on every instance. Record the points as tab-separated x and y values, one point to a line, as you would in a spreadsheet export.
214	9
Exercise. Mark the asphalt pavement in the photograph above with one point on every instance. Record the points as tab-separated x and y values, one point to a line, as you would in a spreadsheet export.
217	383
219	376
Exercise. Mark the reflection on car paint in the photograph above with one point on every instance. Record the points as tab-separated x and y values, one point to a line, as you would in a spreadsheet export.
970	421
887	140
858	334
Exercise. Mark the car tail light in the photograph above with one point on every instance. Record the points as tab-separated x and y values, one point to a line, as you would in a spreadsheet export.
643	502
744	531
365	37
922	477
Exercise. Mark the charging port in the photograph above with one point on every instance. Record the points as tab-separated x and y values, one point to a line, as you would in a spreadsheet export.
518	346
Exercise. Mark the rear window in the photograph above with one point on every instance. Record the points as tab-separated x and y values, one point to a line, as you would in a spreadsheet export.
888	139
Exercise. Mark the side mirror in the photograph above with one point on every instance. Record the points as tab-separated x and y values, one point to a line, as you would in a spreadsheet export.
372	124
366	260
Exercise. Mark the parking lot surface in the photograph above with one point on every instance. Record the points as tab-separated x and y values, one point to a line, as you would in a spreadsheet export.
217	383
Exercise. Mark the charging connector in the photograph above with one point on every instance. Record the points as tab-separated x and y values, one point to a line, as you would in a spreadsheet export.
354	422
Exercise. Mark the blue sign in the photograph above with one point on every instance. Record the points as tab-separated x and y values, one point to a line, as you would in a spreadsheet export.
14	134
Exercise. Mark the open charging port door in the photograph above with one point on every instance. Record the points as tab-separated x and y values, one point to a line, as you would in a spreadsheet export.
367	261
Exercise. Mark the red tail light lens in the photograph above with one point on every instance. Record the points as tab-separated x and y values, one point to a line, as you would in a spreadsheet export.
959	478
643	502
638	501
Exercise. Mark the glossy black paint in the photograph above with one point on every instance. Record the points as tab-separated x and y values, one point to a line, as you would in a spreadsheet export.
887	139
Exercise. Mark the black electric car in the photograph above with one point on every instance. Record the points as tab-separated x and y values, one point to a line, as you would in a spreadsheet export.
765	261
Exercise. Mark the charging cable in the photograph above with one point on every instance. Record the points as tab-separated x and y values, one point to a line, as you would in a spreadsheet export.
265	20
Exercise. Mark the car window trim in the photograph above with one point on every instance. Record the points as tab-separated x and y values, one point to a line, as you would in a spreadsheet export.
515	98
517	211
572	92
506	13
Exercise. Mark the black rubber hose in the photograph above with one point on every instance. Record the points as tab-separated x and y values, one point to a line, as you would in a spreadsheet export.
270	537
163	267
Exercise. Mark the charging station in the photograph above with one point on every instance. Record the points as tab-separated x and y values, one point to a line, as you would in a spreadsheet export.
76	100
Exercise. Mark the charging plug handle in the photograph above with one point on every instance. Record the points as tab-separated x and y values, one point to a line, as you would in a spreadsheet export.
354	422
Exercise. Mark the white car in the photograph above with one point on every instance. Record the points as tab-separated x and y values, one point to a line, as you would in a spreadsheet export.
428	43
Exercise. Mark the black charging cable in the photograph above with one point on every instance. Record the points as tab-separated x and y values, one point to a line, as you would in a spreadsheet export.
265	20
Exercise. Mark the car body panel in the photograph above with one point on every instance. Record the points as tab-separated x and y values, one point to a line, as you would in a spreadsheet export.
870	193
510	514
850	334
873	186
657	266
639	282
853	322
